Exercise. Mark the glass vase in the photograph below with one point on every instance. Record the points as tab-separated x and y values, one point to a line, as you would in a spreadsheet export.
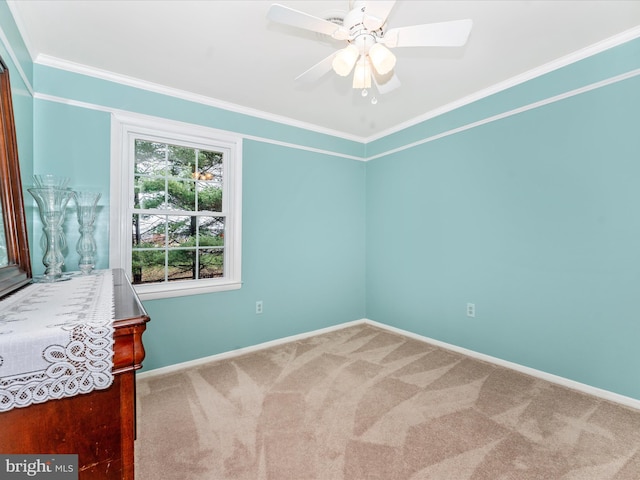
52	200
86	246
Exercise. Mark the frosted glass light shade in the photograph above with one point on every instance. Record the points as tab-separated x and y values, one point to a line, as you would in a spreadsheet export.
344	60
382	58
362	74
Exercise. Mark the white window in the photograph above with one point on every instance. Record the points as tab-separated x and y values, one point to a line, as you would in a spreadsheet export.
175	206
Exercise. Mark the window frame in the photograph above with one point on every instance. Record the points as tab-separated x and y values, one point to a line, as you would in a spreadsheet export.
125	128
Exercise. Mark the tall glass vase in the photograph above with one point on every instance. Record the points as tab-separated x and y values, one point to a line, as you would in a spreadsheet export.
86	246
52	197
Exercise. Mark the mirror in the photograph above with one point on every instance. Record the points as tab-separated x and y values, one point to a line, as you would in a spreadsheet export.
15	262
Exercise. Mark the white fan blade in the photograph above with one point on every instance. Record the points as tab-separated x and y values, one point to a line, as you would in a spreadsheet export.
445	34
317	71
295	18
385	85
376	13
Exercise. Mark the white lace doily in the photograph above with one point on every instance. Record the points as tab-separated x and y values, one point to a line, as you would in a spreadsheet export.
56	340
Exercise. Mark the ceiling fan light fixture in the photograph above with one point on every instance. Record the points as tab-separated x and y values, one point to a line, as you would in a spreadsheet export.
364	28
362	74
382	58
345	59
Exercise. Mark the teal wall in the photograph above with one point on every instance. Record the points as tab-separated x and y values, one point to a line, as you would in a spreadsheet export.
303	218
303	227
74	142
303	212
531	217
534	219
100	93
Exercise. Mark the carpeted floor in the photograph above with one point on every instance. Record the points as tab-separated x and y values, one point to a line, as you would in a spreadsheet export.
363	403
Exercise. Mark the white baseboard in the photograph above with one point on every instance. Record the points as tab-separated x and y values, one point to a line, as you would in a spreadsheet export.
241	351
565	382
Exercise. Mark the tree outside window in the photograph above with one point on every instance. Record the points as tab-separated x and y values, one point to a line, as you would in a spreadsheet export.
178	221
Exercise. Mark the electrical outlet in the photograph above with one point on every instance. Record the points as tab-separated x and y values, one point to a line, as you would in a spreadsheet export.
259	306
471	309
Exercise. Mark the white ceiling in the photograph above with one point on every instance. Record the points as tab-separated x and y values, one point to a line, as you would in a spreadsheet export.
229	51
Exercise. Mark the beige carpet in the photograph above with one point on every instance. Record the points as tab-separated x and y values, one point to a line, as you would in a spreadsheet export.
364	403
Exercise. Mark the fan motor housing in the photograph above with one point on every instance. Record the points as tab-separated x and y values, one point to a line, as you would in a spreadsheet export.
354	22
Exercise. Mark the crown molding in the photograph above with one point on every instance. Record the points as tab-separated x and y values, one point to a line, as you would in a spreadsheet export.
574	57
459	129
17	18
509	113
54	62
127	113
549	67
14	59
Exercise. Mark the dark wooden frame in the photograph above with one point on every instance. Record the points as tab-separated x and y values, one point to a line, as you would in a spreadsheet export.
18	271
99	426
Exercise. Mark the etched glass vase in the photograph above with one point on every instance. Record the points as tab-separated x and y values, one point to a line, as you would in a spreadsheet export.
86	246
52	196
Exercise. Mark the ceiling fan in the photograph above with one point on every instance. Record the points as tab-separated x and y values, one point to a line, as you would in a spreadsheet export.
367	52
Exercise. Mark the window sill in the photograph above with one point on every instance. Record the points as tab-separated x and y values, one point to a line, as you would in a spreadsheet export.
182	289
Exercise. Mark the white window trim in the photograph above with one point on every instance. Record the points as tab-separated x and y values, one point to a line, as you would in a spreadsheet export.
123	127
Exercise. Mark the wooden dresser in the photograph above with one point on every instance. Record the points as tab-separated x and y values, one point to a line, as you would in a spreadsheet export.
98	426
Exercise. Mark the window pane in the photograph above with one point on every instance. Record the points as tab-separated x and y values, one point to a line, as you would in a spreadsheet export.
209	197
149	192
211	231
210	169
181	195
210	166
182	161
211	262
181	230
150	158
148	230
181	265
147	266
